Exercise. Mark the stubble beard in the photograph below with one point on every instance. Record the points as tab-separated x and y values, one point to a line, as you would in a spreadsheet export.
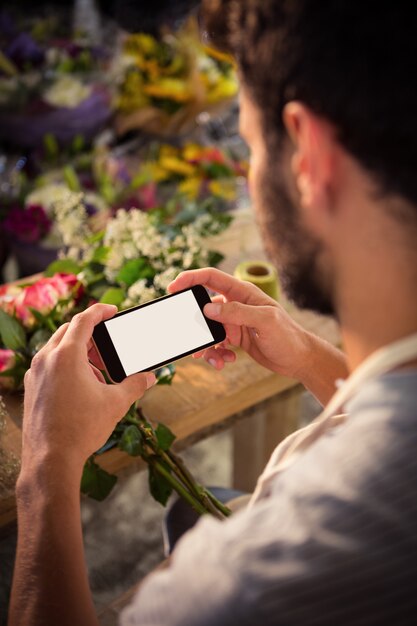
294	251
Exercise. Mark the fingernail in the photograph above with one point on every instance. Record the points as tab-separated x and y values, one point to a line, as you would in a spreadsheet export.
212	309
150	379
212	362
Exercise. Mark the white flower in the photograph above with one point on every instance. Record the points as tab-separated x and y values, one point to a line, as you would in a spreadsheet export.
162	280
139	293
67	91
48	195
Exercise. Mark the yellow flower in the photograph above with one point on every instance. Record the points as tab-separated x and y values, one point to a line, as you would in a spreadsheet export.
167	150
172	88
225	88
192	151
218	55
157	172
225	189
141	43
177	166
190	187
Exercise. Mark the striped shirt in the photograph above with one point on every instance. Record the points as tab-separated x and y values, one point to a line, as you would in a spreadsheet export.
332	541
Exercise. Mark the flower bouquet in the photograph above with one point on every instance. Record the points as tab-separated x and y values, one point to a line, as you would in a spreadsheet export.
32	227
129	262
164	84
49	83
163	172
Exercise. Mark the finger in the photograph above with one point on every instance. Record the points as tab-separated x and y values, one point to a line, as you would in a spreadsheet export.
82	325
98	374
217	358
232	288
133	387
237	314
95	358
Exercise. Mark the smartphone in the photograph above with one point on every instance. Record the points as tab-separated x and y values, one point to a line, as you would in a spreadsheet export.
154	334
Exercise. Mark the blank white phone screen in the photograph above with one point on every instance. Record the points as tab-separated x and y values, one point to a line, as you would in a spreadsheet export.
159	332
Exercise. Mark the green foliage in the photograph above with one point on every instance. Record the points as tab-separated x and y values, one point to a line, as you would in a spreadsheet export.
164	436
165	375
71	178
38	340
131	441
133	270
62	266
113	295
96	482
159	487
100	255
12	332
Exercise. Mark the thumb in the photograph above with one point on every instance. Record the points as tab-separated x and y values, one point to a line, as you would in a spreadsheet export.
235	313
133	387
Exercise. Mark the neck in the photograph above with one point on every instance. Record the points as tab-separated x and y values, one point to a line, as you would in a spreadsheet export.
378	303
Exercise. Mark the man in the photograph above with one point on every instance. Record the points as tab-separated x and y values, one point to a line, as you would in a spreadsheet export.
328	107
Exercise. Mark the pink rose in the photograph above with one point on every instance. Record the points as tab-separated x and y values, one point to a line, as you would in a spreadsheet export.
43	296
8	295
7	361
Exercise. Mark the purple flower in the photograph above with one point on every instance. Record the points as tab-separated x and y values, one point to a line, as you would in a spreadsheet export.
23	50
29	224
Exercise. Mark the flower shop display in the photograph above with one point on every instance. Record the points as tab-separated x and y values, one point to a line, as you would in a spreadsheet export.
159	172
164	84
50	83
158	175
32	225
130	261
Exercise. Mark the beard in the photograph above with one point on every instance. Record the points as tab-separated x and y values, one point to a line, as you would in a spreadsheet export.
295	252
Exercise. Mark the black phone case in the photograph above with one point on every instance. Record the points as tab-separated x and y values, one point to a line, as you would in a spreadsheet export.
107	351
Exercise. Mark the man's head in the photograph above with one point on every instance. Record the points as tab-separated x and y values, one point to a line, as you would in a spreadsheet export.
328	102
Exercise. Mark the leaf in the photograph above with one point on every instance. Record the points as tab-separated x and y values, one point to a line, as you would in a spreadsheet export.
12	332
62	266
98	290
51	146
165	375
214	258
96	482
39	317
131	441
158	486
164	436
71	178
113	296
39	339
100	254
133	270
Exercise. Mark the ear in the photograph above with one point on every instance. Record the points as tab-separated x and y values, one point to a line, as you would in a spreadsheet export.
313	162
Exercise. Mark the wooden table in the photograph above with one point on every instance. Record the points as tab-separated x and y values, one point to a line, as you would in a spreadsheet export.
199	402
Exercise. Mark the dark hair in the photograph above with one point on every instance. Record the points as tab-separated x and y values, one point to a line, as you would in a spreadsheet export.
351	61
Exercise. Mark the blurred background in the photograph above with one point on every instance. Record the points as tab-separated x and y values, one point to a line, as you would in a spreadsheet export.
117	100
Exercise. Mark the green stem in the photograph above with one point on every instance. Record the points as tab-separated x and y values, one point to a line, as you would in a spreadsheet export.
179	488
206	499
209	500
222	507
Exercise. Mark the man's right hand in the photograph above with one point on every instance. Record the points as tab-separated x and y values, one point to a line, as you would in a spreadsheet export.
253	321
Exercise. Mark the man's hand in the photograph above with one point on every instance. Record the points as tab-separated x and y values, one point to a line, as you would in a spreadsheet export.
69	413
253	321
260	326
69	409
